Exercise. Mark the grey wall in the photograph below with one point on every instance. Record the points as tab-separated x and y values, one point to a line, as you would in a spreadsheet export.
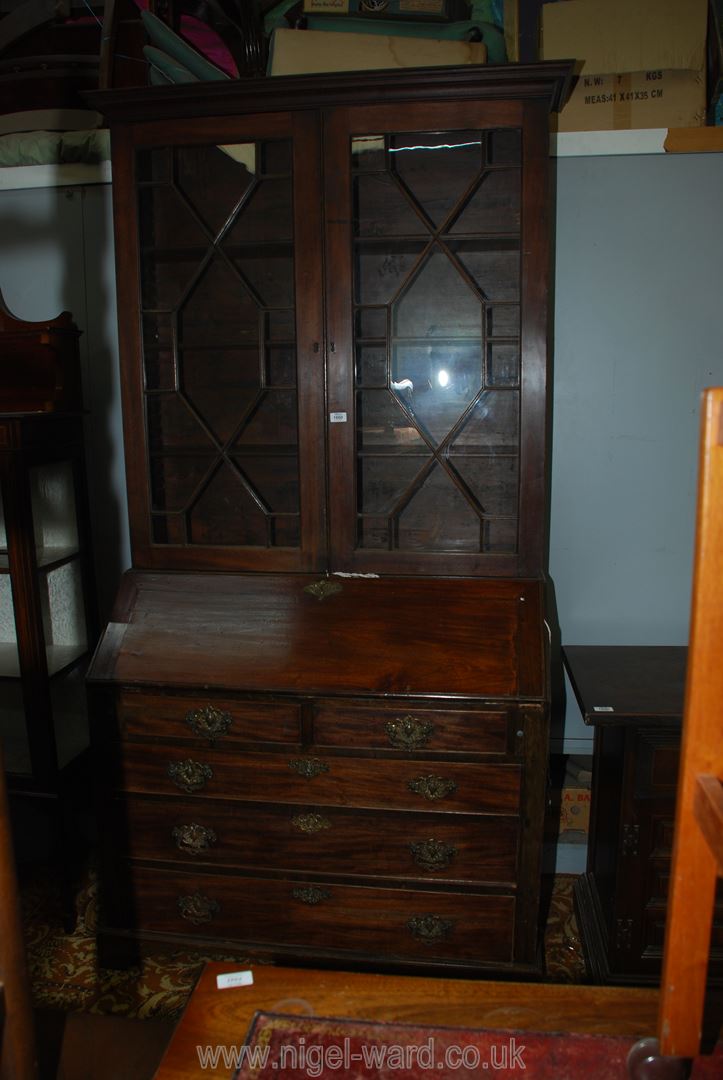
637	337
56	254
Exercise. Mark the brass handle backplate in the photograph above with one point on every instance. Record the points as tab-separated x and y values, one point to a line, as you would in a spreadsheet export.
310	894
189	775
193	838
197	908
430	928
209	722
322	589
308	767
409	732
432	854
310	823
432	787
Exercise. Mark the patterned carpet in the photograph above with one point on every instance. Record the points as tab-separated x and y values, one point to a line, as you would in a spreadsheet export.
65	975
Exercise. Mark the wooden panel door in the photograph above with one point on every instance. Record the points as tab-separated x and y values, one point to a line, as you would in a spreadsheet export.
437	260
219	255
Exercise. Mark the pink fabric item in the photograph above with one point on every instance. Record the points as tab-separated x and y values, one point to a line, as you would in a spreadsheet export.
205	40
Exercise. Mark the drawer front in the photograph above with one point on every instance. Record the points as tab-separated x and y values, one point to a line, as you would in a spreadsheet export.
385	923
328	780
411	729
207	721
321	839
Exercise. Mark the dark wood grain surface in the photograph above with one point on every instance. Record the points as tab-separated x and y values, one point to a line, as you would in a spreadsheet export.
375	636
221	1017
634	681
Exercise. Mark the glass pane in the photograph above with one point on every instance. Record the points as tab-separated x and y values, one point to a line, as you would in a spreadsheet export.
437	167
494	207
63	614
218	292
437	383
227	513
4	563
436	288
381	270
439	517
9	662
52	493
174	480
437	302
382	422
371	366
503	364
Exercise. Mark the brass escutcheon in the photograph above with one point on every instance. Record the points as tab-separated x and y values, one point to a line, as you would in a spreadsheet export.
193	838
430	928
322	589
310	894
432	854
432	787
409	732
198	908
209	722
189	775
310	823
308	767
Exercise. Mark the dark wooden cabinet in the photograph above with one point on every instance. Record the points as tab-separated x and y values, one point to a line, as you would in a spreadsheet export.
333	298
633	696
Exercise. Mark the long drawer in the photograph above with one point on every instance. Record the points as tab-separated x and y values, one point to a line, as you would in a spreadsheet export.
325	780
385	923
320	839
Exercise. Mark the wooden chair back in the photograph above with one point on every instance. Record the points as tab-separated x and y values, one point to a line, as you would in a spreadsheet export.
698	836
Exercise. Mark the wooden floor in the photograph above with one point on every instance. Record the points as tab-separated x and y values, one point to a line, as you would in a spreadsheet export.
82	1046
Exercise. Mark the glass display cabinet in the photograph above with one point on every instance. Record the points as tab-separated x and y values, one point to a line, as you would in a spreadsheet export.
47	622
333	302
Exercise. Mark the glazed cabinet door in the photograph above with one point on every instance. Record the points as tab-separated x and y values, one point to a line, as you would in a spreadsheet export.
437	259
219	253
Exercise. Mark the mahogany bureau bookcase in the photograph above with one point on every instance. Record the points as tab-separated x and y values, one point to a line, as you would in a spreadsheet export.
320	710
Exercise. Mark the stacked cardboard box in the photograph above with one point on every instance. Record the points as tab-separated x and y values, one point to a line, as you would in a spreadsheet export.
640	65
575	799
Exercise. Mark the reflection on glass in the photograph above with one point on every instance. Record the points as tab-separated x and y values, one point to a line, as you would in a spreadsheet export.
437	339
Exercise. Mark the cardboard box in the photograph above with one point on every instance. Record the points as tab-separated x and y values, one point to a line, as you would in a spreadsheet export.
575	809
641	65
300	52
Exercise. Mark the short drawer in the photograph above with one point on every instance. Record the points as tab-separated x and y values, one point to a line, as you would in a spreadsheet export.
329	780
385	923
411	729
207	721
320	839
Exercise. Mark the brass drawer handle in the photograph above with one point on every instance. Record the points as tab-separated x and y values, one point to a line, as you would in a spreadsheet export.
409	732
432	854
189	775
430	928
197	908
193	838
310	894
310	823
432	787
209	722
308	767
